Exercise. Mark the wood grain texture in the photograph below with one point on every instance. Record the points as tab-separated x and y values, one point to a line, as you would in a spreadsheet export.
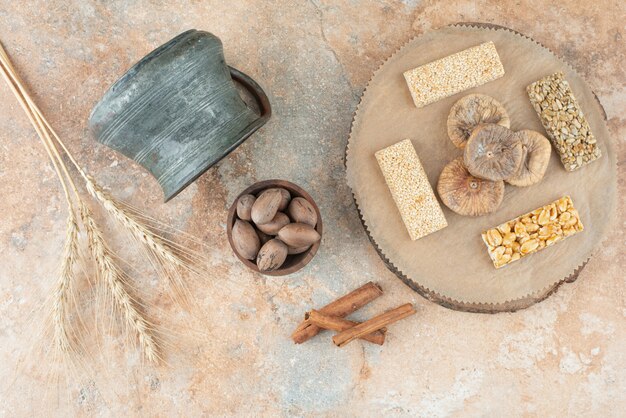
487	293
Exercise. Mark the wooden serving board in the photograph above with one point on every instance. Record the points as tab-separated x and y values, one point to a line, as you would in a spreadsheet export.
451	267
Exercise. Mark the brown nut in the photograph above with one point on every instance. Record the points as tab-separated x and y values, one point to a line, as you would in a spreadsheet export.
536	151
275	225
468	195
285	199
244	207
263	237
471	111
300	210
493	152
298	235
266	206
272	255
245	239
300	250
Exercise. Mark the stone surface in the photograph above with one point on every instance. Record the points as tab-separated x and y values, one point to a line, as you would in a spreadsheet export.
563	356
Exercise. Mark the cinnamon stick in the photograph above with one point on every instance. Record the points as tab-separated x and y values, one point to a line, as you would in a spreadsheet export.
373	324
341	307
339	324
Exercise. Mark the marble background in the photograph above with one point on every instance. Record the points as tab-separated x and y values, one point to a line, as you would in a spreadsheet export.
562	357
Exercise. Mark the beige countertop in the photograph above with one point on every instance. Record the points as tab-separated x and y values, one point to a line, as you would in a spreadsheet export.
562	357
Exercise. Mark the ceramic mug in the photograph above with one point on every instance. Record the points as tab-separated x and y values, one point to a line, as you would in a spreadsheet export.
177	112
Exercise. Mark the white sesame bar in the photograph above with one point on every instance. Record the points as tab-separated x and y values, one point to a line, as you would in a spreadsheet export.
410	189
453	74
563	120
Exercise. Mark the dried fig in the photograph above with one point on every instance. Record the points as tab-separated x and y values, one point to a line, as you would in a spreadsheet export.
471	111
302	211
244	207
298	235
245	239
536	150
272	227
466	194
266	205
493	152
272	255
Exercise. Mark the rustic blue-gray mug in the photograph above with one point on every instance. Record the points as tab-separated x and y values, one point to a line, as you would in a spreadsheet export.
177	112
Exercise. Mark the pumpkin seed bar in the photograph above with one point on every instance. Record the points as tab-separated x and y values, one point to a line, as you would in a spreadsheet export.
453	74
532	231
410	189
564	121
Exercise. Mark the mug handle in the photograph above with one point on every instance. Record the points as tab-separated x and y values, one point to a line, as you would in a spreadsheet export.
256	91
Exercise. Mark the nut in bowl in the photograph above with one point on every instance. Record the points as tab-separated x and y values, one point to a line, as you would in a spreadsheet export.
274	227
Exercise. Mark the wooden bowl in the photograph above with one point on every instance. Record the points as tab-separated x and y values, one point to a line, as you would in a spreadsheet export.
293	262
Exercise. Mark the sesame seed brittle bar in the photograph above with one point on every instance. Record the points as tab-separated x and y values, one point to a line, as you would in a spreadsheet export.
410	189
453	74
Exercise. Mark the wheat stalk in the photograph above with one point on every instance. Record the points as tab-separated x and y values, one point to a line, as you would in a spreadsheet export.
108	270
169	258
161	251
136	228
63	286
61	294
112	277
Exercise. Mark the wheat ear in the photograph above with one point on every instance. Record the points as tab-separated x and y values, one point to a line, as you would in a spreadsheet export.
109	272
112	277
165	259
62	290
168	257
63	286
136	228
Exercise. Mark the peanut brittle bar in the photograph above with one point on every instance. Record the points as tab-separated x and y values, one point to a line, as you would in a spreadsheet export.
532	231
